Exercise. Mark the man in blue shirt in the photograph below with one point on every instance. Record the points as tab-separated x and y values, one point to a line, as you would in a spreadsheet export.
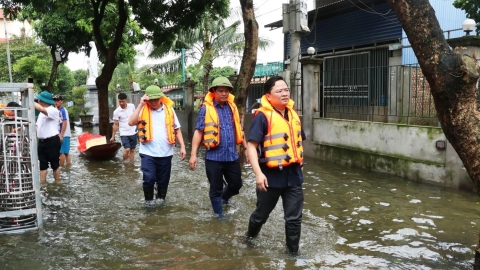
219	130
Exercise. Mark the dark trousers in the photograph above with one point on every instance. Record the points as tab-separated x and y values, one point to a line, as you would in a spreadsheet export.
217	171
156	170
292	198
49	152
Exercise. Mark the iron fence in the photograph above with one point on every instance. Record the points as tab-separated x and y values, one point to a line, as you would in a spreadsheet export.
396	94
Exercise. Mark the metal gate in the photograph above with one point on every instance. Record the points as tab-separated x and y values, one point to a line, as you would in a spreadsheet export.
20	199
353	83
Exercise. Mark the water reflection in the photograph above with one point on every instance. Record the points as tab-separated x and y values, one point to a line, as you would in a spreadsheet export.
353	219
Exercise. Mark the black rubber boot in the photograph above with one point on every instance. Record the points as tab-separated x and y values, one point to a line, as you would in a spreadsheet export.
226	195
253	230
161	193
148	192
292	237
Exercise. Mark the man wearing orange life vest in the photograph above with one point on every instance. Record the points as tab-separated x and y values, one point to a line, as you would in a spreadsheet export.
219	130
277	134
158	128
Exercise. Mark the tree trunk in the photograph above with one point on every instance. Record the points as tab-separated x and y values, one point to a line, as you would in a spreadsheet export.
55	64
249	59
452	79
110	54
53	71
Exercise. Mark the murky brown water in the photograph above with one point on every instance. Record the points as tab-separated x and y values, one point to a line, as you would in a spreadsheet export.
353	219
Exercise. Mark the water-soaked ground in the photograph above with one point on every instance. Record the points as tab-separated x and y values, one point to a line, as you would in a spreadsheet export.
353	219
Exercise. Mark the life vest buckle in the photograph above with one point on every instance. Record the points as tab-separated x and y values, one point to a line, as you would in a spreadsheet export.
215	133
285	136
287	158
143	122
214	142
299	144
285	147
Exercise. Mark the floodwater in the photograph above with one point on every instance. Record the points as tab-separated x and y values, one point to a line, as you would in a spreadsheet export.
352	219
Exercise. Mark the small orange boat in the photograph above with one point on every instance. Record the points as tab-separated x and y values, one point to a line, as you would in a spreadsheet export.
103	151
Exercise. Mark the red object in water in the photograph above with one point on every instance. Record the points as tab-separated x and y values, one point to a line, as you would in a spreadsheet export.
103	151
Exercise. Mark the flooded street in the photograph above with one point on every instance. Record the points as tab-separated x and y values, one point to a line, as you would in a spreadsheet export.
352	219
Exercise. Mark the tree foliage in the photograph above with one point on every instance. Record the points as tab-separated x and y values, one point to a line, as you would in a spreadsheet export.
161	19
21	47
80	76
471	8
211	40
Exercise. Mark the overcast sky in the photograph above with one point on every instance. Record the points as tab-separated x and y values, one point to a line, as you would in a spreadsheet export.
266	11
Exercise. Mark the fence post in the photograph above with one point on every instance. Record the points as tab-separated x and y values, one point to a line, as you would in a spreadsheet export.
189	103
311	72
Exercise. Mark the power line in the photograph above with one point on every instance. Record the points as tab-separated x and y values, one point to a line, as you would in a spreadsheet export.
268	12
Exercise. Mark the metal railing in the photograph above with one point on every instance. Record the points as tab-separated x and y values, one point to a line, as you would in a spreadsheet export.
393	94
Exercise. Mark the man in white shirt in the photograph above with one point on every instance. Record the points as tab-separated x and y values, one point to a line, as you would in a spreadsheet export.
159	130
64	131
48	139
128	134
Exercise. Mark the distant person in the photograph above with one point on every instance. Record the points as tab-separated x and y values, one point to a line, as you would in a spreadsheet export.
64	130
276	155
128	134
47	134
220	131
158	130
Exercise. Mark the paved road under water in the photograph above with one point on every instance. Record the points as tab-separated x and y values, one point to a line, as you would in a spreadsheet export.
353	219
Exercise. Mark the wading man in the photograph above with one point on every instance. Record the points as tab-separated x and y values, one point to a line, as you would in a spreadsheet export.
158	130
219	130
128	134
276	154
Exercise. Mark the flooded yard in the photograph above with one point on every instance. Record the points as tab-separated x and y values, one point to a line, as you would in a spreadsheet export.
352	219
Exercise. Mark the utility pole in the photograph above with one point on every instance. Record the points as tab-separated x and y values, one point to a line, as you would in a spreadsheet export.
295	22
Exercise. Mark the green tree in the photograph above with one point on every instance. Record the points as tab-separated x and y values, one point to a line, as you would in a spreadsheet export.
160	19
32	67
80	76
220	71
65	80
60	28
471	8
210	40
20	47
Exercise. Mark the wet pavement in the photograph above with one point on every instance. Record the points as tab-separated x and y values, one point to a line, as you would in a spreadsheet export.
352	219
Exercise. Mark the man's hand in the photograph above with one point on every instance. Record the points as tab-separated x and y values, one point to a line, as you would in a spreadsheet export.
193	162
61	138
262	182
112	139
183	153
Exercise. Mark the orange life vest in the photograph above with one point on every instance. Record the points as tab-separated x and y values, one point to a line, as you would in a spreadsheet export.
145	130
282	144
211	132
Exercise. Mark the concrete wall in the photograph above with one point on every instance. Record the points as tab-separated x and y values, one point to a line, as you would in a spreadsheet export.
406	151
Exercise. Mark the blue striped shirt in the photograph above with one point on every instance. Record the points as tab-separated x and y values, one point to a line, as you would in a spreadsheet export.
227	148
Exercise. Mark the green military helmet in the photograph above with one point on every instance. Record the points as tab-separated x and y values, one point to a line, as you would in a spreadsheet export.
154	92
220	81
